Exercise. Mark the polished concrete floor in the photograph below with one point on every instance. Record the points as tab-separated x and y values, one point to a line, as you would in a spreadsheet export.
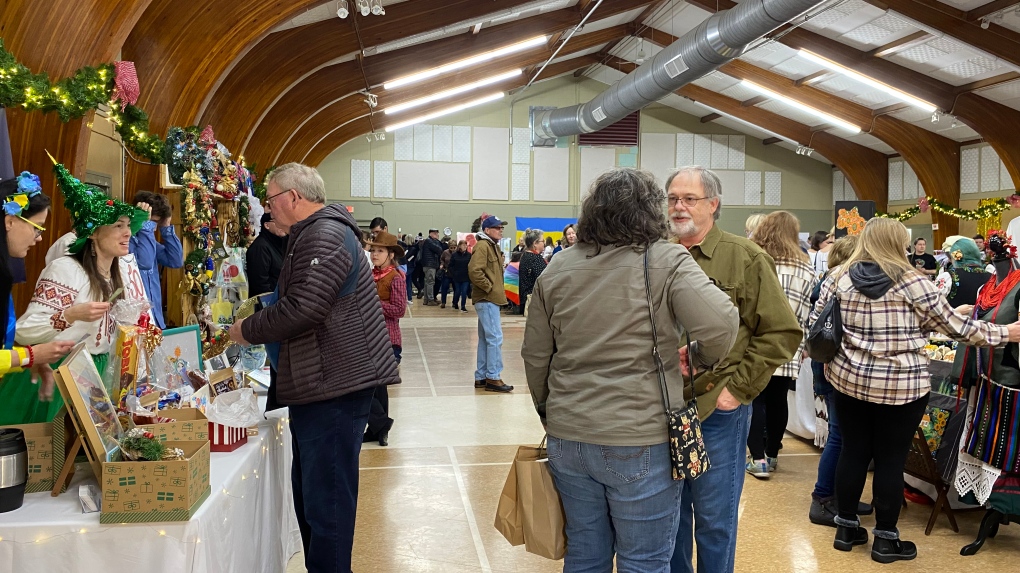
428	500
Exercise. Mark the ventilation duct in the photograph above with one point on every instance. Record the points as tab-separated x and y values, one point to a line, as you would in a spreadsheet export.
719	39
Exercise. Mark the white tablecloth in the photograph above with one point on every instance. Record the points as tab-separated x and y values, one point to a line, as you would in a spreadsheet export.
246	525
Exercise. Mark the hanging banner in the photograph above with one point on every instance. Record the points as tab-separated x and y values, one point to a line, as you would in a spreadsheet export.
551	226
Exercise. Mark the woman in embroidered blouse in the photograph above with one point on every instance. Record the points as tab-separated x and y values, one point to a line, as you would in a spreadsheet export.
880	375
532	263
72	296
25	212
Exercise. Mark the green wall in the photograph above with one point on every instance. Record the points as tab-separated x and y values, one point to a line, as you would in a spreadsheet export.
807	183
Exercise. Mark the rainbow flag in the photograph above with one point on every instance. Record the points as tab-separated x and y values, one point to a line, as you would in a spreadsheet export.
512	283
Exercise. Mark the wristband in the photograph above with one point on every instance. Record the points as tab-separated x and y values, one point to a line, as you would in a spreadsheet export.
31	357
22	355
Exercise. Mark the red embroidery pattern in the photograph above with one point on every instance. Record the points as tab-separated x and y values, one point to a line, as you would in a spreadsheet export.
58	323
54	295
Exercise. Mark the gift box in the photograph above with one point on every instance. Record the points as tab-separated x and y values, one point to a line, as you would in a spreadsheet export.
143	491
226	438
39	439
189	424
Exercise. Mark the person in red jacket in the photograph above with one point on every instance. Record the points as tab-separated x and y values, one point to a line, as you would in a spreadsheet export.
391	286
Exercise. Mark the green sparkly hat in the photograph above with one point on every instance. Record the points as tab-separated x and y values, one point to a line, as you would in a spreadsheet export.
90	208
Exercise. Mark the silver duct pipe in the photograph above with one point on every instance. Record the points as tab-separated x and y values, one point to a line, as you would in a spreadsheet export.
719	39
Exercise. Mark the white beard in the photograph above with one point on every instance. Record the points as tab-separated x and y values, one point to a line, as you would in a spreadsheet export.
685	228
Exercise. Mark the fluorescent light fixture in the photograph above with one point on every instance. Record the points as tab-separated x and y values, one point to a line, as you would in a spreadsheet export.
460	64
447	111
452	92
902	96
830	119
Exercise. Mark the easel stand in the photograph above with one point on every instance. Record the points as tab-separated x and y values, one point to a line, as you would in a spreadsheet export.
71	453
989	528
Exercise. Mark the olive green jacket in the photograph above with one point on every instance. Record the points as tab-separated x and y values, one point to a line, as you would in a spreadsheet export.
485	271
769	333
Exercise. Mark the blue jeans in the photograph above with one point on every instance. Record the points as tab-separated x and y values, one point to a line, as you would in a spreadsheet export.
490	342
462	292
444	288
410	283
825	487
618	499
326	438
712	500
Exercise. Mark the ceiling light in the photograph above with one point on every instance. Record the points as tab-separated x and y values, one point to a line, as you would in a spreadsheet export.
805	150
459	64
377	8
342	10
935	117
902	96
827	118
446	111
365	8
452	92
985	22
641	52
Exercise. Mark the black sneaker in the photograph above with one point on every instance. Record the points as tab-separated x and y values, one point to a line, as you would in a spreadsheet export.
891	550
823	512
848	537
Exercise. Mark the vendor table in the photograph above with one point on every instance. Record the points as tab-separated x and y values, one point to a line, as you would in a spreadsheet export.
246	525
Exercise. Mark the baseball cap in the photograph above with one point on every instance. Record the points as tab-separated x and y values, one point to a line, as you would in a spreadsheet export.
433	230
492	221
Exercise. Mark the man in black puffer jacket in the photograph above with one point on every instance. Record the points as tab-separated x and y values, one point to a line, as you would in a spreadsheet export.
327	337
431	251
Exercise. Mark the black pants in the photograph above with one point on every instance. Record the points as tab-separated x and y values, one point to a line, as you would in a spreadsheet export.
882	432
768	419
379	420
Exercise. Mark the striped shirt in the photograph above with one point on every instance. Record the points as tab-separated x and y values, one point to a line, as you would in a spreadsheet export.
882	357
797	279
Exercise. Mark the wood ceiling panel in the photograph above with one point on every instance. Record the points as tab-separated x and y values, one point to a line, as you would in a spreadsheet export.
323	148
65	36
295	54
332	87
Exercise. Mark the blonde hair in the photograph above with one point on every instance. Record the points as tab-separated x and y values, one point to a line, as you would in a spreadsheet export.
752	222
778	235
883	242
841	250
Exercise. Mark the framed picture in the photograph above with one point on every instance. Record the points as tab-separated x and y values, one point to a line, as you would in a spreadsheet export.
184	344
222	381
92	410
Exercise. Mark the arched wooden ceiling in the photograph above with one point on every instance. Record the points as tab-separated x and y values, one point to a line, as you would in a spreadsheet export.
344	133
60	39
281	109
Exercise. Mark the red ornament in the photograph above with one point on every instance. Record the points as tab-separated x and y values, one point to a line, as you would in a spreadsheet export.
110	202
149	435
923	204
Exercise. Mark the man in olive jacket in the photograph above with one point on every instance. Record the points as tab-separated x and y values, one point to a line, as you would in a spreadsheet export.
768	336
487	295
328	339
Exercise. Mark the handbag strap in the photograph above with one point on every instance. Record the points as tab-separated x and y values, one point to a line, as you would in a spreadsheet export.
660	369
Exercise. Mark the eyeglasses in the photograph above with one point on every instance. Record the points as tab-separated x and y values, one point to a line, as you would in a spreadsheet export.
687	201
271	197
39	229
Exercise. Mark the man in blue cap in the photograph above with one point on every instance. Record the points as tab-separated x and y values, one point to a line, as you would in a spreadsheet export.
486	273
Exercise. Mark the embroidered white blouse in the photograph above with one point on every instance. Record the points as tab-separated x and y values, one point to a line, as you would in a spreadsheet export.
63	284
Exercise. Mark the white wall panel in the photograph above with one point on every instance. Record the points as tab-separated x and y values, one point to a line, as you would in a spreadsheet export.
432	180
552	174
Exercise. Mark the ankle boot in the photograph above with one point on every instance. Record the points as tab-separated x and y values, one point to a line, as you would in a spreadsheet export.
890	550
848	536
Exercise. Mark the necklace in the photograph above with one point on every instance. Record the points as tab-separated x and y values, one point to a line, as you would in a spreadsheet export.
992	294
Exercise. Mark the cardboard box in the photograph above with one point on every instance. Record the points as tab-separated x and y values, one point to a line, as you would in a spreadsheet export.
189	424
39	439
139	492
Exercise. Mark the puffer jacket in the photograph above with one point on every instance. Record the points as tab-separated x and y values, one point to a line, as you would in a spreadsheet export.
486	272
431	251
329	345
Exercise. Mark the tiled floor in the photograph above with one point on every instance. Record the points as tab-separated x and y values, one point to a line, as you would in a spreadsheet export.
428	500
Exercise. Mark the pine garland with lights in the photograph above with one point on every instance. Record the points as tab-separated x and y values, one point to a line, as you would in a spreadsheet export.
982	212
73	97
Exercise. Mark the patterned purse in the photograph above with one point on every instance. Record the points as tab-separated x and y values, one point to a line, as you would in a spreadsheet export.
686	443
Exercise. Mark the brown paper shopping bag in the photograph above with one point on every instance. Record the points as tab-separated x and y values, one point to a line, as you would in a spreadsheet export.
538	512
508	518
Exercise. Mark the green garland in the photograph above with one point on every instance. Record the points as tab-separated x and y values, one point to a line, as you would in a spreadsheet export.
71	98
983	212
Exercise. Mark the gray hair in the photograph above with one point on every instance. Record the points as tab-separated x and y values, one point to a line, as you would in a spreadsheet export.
530	236
625	208
709	182
301	178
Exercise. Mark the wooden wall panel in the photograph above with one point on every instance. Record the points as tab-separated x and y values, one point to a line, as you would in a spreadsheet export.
58	39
